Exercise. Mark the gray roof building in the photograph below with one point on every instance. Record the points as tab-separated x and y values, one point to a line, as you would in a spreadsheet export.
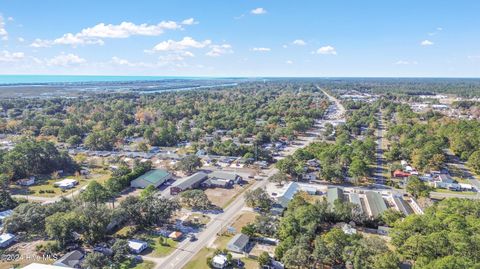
71	259
402	206
355	199
290	190
334	194
238	243
375	203
190	182
225	176
213	182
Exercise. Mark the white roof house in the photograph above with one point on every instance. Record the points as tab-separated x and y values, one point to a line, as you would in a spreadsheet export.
137	246
5	214
67	183
6	240
219	261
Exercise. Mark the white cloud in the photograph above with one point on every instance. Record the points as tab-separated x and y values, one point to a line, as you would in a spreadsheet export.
299	42
437	30
123	62
3	31
96	34
6	56
284	46
426	43
326	50
258	11
261	49
10	19
189	21
403	62
289	62
40	43
218	50
66	60
21	39
186	43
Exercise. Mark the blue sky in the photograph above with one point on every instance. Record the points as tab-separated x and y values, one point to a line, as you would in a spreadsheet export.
241	38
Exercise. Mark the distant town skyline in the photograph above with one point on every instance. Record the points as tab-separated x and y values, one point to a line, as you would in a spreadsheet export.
241	38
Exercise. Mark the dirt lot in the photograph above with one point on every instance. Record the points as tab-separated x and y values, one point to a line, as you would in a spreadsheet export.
24	254
222	197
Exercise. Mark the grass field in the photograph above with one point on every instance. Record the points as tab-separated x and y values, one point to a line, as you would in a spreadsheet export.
142	265
156	249
199	261
44	184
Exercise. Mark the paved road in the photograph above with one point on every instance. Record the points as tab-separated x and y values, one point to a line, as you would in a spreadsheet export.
379	178
186	249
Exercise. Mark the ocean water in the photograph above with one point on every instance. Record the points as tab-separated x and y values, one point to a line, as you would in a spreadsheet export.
46	79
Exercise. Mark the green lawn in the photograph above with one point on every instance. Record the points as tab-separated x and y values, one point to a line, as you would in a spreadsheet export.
157	249
199	261
143	265
160	250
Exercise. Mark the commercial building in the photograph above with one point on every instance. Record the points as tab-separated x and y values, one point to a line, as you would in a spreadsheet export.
191	182
376	204
155	177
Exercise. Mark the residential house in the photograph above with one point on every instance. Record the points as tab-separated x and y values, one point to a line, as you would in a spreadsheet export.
65	184
26	181
286	194
217	183
444	181
238	243
226	176
137	246
400	174
73	259
219	261
175	235
191	182
155	177
222	179
6	240
5	214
